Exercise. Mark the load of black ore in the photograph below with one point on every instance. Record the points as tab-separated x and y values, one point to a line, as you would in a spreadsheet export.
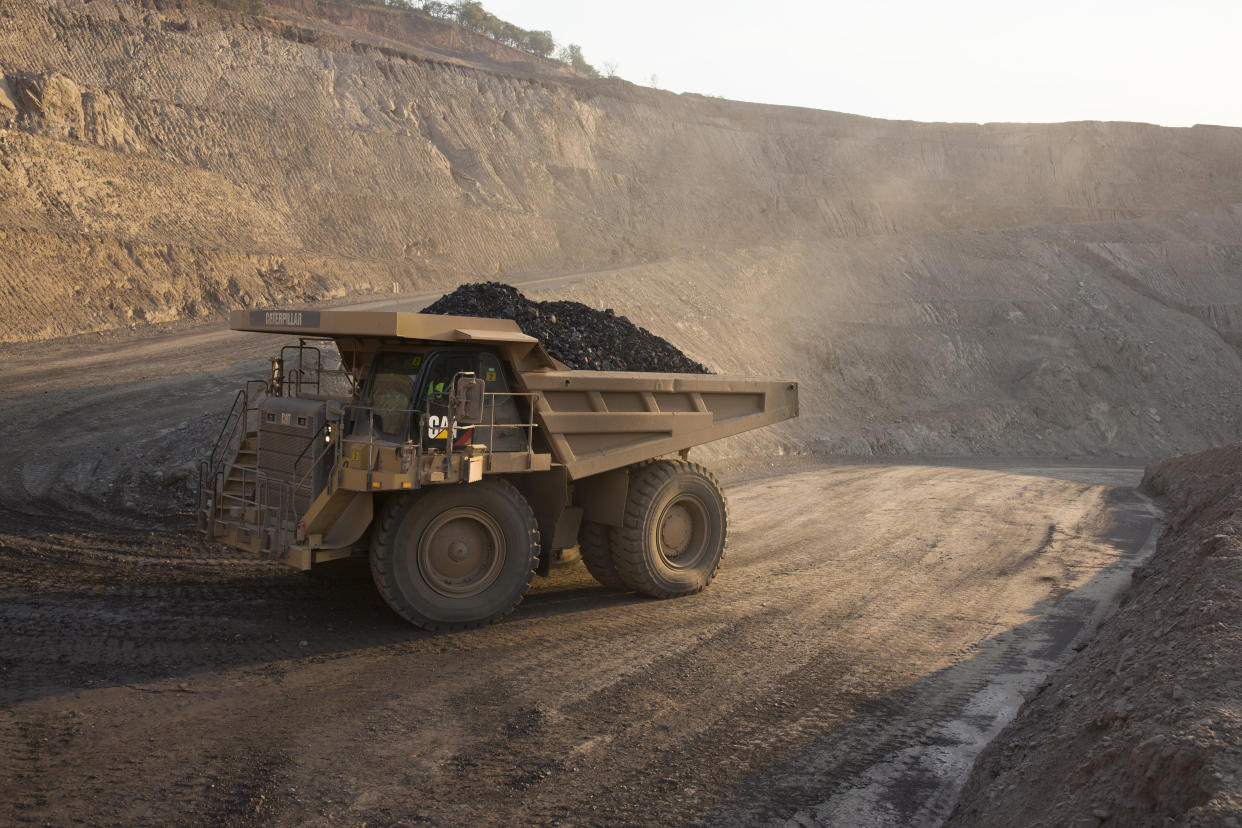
577	335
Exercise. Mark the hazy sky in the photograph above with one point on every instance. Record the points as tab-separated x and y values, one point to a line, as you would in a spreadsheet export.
1172	63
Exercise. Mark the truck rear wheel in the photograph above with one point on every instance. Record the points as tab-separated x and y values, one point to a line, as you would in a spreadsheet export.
455	556
595	547
676	527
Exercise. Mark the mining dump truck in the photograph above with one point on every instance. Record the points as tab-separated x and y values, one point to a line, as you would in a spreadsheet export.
463	459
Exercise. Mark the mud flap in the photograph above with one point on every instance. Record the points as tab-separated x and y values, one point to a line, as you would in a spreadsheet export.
602	496
548	495
354	520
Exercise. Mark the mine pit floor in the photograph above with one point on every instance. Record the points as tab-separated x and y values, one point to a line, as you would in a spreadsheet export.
873	625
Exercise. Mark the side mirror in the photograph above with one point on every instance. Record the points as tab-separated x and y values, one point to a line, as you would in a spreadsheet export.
466	400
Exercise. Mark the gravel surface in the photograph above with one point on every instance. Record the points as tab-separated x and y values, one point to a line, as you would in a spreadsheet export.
579	336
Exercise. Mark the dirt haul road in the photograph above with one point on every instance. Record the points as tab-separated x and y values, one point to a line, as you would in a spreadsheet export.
871	627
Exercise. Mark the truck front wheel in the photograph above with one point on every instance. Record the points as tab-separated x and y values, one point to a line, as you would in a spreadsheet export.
675	530
455	556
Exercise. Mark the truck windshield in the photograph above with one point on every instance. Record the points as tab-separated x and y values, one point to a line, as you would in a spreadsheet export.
403	382
390	393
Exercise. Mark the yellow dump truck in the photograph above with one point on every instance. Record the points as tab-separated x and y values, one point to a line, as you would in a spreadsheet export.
463	460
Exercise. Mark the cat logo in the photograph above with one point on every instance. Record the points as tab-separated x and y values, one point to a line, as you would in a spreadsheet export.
437	427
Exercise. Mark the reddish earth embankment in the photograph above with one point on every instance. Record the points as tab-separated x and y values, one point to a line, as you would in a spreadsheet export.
1143	726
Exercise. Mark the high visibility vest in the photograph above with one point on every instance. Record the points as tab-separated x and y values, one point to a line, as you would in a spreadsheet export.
438	424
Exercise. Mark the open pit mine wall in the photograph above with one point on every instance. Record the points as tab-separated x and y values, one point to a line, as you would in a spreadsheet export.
162	160
939	289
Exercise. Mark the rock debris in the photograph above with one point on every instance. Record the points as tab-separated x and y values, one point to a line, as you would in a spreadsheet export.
579	336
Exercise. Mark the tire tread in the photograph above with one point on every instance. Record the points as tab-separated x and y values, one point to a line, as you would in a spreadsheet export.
382	551
627	541
595	548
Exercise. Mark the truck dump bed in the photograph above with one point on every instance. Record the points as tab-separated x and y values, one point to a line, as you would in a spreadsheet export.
596	421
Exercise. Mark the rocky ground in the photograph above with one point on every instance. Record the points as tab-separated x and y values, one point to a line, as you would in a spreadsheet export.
1144	726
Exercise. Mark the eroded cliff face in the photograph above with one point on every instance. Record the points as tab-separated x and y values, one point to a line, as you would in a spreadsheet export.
938	288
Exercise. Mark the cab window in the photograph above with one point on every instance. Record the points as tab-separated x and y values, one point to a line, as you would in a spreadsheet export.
438	384
389	393
438	381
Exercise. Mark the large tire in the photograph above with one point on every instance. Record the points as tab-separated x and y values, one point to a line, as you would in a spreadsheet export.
675	531
457	556
595	547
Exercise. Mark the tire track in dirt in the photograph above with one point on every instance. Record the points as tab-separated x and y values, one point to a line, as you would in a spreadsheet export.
837	639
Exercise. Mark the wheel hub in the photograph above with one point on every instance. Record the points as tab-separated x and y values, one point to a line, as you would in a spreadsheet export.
683	532
676	531
461	552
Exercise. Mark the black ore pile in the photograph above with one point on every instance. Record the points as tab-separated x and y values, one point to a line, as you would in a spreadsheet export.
581	337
